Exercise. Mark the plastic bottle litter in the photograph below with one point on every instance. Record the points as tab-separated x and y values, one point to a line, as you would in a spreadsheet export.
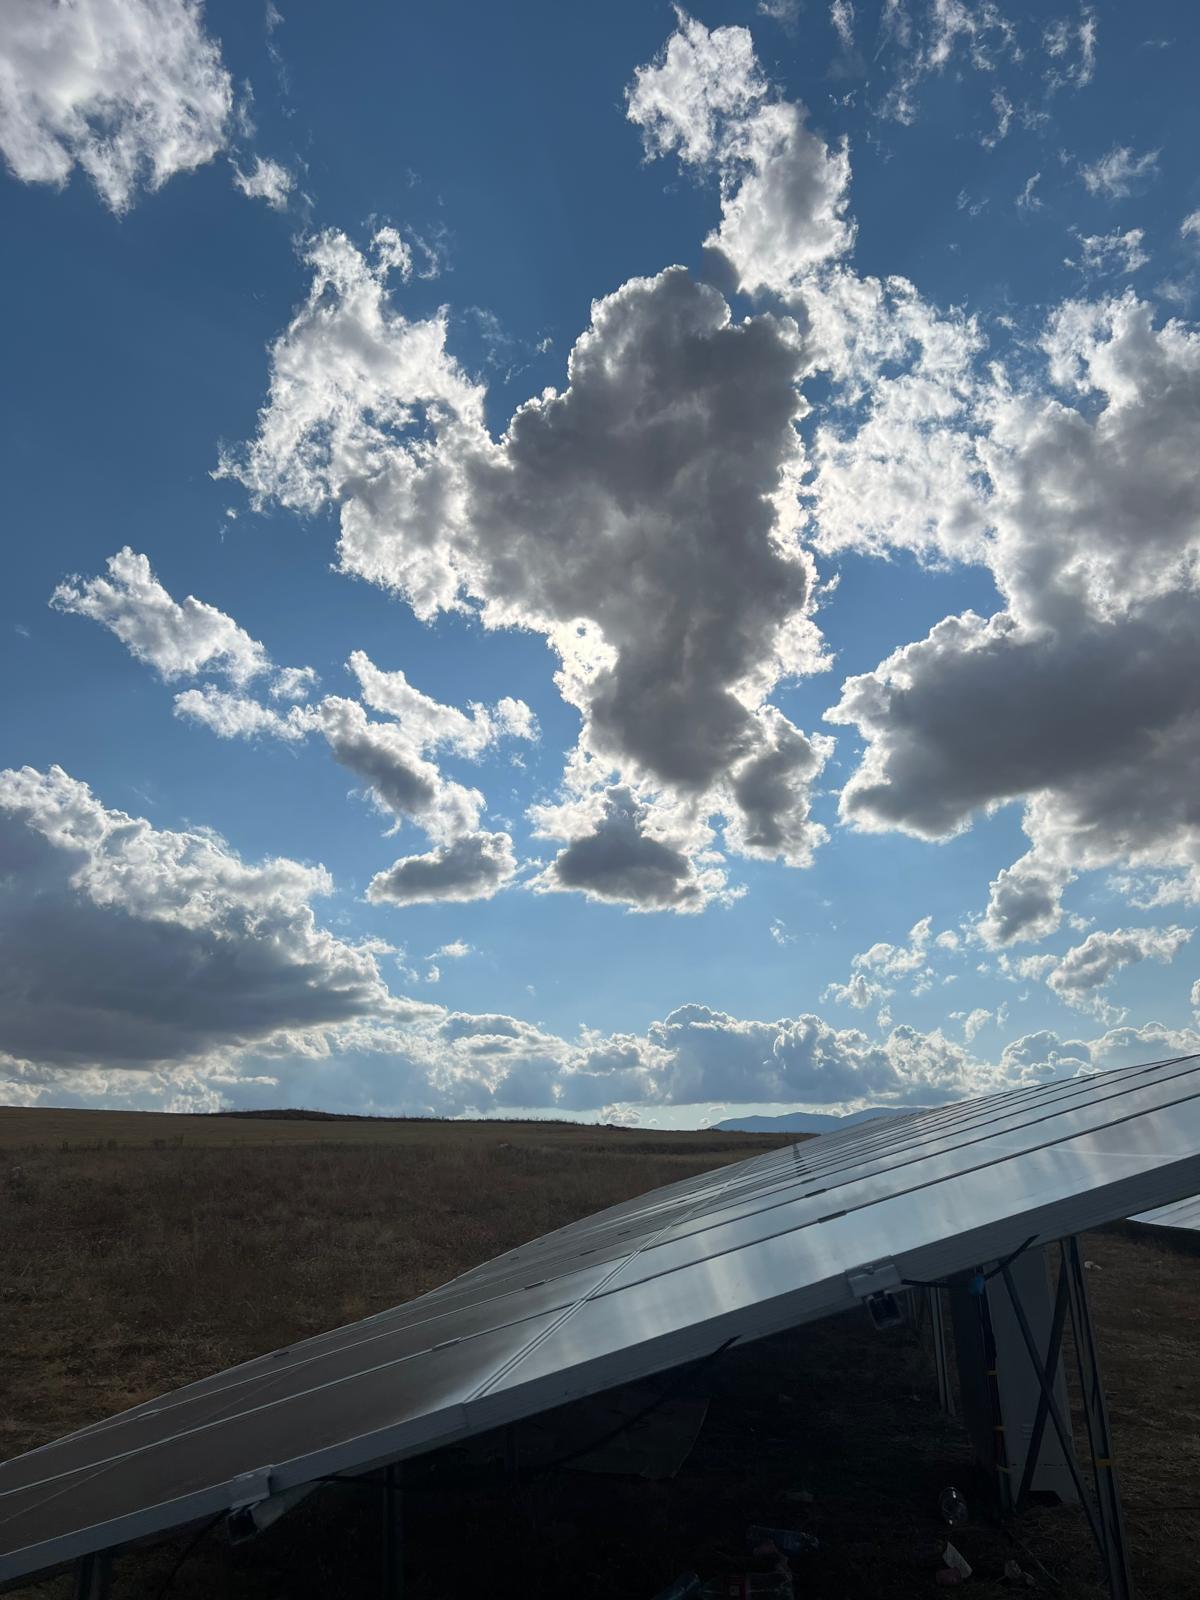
792	1541
953	1507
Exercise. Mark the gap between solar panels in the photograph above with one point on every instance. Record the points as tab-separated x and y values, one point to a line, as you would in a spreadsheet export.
856	1217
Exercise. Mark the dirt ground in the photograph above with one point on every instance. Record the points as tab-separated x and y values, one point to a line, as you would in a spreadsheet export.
139	1252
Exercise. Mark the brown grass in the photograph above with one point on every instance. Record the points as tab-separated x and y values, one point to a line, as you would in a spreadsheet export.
140	1251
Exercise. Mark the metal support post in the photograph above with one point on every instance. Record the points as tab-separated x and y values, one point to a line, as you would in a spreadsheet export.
393	1532
92	1576
1108	1493
999	1440
937	1327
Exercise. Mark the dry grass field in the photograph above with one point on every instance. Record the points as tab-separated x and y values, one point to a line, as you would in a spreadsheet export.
139	1251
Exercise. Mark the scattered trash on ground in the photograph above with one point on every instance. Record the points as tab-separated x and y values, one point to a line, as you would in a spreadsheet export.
768	1573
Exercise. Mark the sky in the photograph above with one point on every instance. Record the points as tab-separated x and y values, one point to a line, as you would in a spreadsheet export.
624	563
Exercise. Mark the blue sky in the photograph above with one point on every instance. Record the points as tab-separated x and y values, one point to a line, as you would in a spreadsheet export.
882	403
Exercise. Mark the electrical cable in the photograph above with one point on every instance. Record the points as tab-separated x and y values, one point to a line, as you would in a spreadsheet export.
189	1550
980	1278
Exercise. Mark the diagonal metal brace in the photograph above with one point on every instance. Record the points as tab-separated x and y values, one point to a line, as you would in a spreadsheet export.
1049	1367
1051	1406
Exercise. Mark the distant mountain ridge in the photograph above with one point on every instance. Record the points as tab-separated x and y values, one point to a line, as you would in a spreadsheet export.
811	1121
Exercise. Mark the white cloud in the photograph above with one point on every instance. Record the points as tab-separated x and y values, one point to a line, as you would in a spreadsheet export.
349	377
907	963
697	1053
643	520
841	15
1112	252
699	82
1003	109
177	640
294	683
400	779
1090	966
975	1021
1071	46
1076	696
859	992
898	960
896	455
454	951
389	757
785	12
148	967
950	33
1120	172
470	866
267	180
784	192
429	724
784	200
842	20
237	716
1027	200
892	469
130	91
618	858
1025	901
127	945
1044	1055
1189	228
1038	1057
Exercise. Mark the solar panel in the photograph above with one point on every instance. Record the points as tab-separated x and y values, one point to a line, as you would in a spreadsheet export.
1180	1214
741	1252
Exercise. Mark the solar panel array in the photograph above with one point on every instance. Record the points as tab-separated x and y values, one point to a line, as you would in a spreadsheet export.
741	1252
1180	1214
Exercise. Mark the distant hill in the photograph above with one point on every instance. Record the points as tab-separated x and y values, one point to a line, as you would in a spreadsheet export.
810	1121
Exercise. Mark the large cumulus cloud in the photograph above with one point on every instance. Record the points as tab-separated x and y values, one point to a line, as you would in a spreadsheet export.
1077	696
644	520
